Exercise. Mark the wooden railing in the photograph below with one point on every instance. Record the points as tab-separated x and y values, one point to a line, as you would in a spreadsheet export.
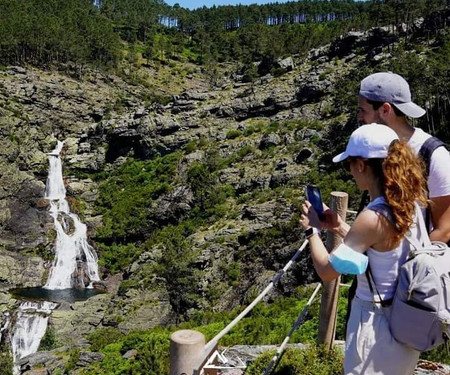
188	352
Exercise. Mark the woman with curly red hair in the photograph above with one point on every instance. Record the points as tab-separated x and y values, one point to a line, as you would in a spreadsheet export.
393	176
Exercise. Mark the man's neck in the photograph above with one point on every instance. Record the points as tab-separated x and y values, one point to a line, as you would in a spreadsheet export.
403	129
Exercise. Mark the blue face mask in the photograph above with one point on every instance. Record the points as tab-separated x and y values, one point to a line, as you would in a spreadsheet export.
348	261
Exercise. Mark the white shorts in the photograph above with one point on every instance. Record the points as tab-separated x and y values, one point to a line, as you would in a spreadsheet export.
370	348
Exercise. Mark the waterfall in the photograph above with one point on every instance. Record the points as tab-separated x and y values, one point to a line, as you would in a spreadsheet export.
29	329
74	266
6	323
75	263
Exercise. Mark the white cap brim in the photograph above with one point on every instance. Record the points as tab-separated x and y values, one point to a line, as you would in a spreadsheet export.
340	157
411	109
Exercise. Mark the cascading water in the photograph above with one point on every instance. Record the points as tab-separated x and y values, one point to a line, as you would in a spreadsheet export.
72	250
75	264
6	323
29	329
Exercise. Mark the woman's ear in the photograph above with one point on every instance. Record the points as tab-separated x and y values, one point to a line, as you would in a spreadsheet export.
360	165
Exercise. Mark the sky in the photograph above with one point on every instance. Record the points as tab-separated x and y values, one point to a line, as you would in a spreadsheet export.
193	4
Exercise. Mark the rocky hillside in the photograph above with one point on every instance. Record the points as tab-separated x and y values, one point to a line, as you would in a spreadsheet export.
189	180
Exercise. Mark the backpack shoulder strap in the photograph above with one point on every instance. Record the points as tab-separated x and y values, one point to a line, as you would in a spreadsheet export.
423	240
384	209
425	152
427	149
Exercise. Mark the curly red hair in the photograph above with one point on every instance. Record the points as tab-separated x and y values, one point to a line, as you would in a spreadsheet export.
404	183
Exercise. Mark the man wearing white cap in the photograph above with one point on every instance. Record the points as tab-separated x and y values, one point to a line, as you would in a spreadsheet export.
385	98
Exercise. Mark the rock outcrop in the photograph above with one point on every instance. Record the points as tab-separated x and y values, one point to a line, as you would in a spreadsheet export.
264	136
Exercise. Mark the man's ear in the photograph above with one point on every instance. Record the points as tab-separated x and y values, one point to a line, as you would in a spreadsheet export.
386	110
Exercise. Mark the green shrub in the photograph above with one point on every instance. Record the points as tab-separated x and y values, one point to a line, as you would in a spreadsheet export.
152	97
440	355
203	184
313	360
232	134
249	130
102	337
244	151
48	341
152	355
77	206
210	196
276	72
254	128
250	72
124	199
126	285
233	272
267	323
178	259
116	258
191	146
203	142
6	363
74	356
273	127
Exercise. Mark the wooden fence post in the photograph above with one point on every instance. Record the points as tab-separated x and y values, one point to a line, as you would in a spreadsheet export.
186	349
330	293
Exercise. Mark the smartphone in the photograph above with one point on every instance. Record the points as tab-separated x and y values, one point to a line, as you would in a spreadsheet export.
315	198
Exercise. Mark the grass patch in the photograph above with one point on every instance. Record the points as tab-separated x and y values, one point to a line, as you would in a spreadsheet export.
313	360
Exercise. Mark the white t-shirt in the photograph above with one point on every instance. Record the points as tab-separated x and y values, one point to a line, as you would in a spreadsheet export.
439	177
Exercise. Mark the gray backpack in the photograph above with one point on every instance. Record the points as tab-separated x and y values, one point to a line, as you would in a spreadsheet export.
420	312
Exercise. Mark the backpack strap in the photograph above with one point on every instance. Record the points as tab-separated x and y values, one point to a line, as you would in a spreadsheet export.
425	152
427	149
385	210
422	240
382	302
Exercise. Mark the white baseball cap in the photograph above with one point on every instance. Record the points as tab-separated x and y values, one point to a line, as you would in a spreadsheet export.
388	87
368	141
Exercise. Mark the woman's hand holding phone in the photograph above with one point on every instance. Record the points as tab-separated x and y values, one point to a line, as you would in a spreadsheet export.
330	220
309	218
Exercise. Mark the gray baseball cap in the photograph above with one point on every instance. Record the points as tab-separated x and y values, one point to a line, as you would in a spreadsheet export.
390	88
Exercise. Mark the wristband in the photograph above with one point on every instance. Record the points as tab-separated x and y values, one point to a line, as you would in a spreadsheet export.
310	232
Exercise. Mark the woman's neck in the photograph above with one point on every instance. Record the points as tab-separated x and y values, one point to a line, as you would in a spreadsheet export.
375	191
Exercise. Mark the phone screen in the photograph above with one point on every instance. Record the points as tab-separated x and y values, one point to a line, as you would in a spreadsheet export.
315	198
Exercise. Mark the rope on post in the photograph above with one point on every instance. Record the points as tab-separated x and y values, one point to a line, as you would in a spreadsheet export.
274	362
213	342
